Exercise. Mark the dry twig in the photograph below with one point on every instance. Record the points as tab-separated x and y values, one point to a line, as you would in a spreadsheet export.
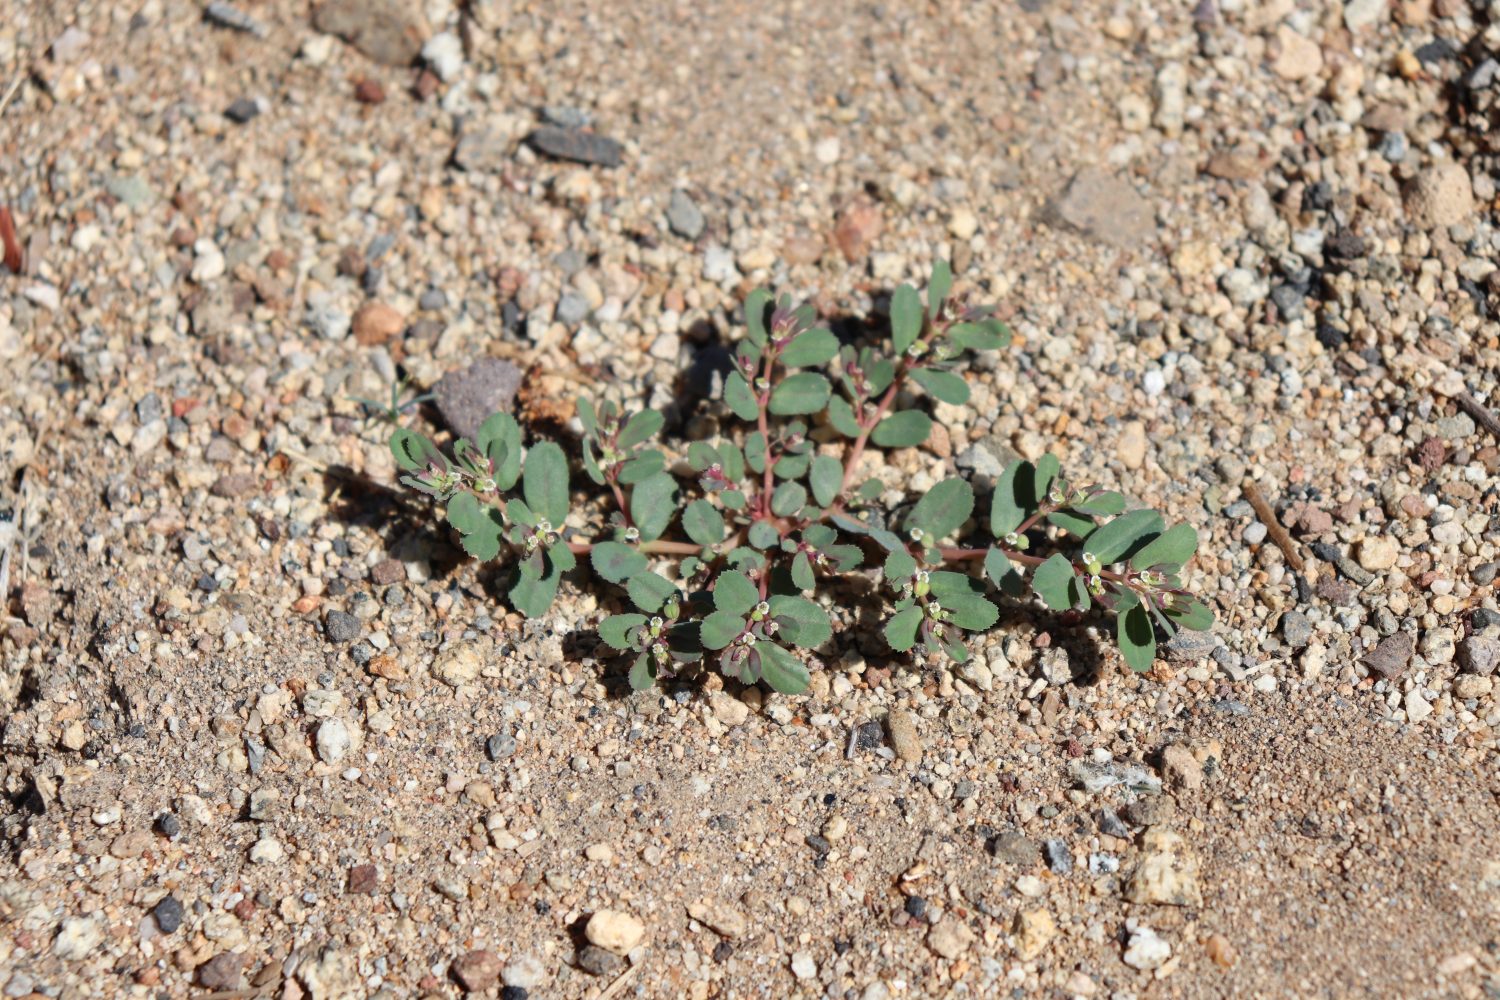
1273	526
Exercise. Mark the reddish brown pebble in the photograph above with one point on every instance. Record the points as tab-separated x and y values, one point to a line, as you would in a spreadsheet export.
376	323
477	971
368	91
426	85
1220	951
363	879
387	572
859	226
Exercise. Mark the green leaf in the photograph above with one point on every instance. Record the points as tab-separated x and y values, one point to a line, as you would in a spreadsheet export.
814	347
970	611
591	463
1137	638
563	556
499	438
532	595
944	508
465	512
941	385
947	584
804	392
938	287
643	672
763	535
586	416
1103	504
844	557
792	466
902	430
983	335
802	572
841	416
1190	613
643	466
788	499
802	622
653	501
738	397
1078	594
649	591
615	561
755	451
756	304
1011	503
719	629
733	460
545	484
520	514
735	593
732	499
640	428
826	476
899	565
745	558
1046	470
413	452
701	455
615	629
703	523
1051	582
481	526
1172	547
780	669
1121	536
901	630
1078	525
879	373
997	567
906	318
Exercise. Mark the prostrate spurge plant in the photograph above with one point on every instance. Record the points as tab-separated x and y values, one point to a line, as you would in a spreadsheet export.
768	519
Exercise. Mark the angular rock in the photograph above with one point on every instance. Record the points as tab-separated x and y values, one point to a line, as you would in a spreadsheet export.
724	919
859	225
1034	930
596	960
577	146
1478	655
458	666
1014	848
1167	873
684	216
388	31
1390	657
1105	207
614	931
1181	767
950	937
1146	950
902	729
485	149
225	971
376	323
1440	196
466	397
476	971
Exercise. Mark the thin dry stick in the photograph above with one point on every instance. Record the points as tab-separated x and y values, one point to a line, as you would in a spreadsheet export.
1481	414
1273	526
15	86
614	988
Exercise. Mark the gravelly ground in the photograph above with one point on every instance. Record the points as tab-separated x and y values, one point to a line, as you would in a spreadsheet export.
1240	243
